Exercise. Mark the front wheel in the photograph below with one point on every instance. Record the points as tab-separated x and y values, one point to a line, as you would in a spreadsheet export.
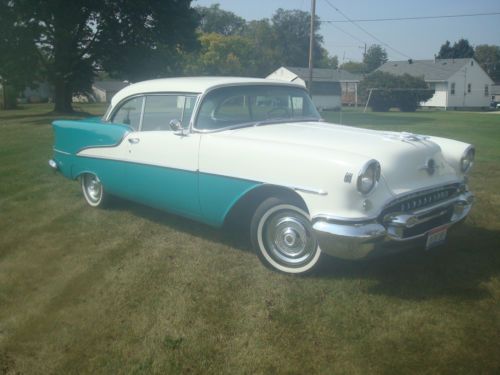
282	235
93	191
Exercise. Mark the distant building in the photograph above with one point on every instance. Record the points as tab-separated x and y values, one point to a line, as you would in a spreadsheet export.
330	89
103	91
495	93
41	92
458	83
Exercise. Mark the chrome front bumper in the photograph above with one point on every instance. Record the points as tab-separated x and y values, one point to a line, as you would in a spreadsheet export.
356	240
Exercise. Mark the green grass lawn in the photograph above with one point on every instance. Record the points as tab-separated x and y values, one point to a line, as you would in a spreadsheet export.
132	290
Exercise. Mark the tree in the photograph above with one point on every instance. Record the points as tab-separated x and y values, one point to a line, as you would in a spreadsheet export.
291	28
222	55
354	67
387	91
264	40
215	20
327	61
18	58
136	39
488	57
374	57
459	50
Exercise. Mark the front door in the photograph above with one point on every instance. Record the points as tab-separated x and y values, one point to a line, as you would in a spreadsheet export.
162	168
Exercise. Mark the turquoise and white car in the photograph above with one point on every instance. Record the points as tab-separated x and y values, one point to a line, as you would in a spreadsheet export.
215	149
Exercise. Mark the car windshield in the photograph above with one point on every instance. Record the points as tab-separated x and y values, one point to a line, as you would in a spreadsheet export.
252	105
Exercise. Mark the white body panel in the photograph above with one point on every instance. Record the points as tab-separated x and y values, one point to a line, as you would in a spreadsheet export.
313	158
317	156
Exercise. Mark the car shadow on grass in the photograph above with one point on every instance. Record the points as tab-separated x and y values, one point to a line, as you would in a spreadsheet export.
231	234
456	270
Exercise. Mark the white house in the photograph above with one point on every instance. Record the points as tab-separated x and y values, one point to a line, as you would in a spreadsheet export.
103	91
458	83
330	88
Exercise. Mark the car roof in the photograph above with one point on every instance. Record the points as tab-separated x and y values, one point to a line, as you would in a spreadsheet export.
190	84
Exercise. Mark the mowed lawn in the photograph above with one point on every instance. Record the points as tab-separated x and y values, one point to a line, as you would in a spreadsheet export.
132	290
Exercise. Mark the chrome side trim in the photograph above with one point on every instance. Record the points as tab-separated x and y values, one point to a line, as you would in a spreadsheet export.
309	190
60	152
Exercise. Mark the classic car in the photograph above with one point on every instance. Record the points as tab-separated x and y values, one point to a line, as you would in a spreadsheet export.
218	148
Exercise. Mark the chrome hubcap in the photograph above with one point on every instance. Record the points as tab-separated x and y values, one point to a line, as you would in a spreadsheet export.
288	238
93	187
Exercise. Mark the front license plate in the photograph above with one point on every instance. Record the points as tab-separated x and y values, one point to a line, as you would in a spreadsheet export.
436	237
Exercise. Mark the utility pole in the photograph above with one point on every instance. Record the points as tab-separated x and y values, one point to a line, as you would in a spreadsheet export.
311	43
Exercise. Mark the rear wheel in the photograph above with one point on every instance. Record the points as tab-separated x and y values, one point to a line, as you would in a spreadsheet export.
282	235
93	191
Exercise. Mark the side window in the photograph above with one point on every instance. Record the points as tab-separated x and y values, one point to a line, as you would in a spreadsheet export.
129	113
452	89
159	110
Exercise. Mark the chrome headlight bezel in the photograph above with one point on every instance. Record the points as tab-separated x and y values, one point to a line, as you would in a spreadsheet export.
467	159
368	177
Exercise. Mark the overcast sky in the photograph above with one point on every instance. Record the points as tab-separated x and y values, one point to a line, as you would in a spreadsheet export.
418	39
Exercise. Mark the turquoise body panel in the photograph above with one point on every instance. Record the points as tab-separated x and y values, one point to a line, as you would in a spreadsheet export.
200	196
72	136
218	194
169	189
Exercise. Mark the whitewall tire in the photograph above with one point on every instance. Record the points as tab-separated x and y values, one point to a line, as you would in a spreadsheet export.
93	191
283	238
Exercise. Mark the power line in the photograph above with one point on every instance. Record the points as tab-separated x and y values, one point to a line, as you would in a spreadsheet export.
348	33
366	31
414	18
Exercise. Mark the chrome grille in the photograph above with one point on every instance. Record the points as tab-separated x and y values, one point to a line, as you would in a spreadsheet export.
415	201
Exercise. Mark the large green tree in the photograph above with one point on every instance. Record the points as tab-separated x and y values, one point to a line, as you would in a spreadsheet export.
133	39
374	57
221	55
291	29
488	56
18	57
460	49
216	20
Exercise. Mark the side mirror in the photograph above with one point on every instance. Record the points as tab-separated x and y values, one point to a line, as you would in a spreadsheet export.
175	125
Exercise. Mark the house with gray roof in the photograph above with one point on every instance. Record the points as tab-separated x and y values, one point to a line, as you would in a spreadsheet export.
458	83
330	89
103	91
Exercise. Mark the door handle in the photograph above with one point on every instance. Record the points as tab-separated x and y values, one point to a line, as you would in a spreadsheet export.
134	140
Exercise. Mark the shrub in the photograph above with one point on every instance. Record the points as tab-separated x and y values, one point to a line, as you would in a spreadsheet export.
404	92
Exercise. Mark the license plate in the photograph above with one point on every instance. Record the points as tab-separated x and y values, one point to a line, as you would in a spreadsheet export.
436	236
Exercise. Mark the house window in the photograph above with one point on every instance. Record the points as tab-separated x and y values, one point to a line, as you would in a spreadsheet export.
452	89
469	86
486	90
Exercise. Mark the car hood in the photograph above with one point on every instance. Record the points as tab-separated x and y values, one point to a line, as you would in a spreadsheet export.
403	156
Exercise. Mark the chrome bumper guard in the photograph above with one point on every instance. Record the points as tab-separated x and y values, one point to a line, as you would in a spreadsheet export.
53	164
356	240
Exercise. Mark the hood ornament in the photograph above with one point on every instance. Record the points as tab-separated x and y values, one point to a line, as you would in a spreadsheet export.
407	137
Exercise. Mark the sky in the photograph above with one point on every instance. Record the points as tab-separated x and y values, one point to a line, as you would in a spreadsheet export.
416	39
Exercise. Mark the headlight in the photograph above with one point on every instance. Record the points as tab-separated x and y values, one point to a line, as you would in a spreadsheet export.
467	159
368	177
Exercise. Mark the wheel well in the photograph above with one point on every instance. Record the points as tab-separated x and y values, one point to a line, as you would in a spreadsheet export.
242	211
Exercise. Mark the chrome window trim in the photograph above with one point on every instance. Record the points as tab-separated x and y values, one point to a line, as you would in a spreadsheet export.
208	91
113	109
